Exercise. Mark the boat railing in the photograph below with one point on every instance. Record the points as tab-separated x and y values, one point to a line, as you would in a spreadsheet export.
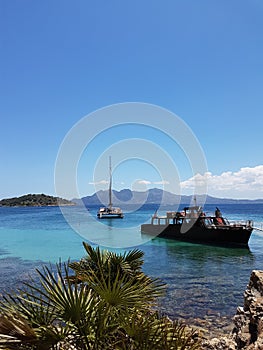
171	217
208	221
247	223
212	221
164	219
160	220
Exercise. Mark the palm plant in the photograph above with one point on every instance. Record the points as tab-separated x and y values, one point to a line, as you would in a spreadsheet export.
107	264
150	331
117	278
106	304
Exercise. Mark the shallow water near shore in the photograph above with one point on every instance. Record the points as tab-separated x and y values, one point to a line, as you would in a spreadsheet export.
205	284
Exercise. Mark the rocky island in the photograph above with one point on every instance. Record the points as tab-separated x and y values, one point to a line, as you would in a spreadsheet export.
34	200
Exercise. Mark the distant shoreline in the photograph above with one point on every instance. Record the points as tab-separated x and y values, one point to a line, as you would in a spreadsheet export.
38	206
35	200
124	197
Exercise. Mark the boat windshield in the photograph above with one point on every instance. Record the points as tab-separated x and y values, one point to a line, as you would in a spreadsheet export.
208	221
193	212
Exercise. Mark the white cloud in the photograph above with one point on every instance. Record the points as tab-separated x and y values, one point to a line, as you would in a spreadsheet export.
102	182
143	182
164	182
147	182
244	183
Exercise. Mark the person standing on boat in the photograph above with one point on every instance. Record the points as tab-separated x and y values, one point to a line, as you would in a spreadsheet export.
218	213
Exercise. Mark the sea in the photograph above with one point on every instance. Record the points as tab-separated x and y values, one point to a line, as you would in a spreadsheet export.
204	284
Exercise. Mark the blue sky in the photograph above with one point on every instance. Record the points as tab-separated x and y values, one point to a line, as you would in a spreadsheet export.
202	60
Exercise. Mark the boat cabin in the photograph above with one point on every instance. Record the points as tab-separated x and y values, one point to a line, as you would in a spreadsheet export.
189	215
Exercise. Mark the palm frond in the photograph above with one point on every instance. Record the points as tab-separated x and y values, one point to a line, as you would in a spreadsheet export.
14	325
122	292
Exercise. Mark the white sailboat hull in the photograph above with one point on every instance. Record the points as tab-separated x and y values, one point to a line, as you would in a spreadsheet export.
110	213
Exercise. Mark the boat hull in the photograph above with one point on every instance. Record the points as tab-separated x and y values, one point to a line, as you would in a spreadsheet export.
110	216
225	235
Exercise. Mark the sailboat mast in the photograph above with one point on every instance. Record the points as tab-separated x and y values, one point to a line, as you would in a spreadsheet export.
110	186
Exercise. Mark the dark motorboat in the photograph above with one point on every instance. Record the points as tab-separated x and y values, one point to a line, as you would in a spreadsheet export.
110	212
193	225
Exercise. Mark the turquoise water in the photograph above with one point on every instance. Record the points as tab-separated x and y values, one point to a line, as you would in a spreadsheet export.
201	280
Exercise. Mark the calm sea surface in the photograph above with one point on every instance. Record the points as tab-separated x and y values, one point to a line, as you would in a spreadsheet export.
203	282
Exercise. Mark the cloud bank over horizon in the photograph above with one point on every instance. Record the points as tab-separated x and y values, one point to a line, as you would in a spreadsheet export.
244	183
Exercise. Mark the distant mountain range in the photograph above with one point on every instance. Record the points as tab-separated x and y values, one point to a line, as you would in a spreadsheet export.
153	196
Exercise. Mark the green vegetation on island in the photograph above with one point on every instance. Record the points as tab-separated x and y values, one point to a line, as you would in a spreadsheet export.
104	301
34	200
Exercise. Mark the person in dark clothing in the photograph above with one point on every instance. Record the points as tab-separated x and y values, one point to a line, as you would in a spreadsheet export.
218	213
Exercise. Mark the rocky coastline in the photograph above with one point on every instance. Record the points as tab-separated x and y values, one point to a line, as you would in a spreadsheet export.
247	328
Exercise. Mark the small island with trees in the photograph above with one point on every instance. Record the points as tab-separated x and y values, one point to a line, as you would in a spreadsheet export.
34	200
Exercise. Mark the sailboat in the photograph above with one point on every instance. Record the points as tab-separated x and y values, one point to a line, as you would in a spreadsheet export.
110	212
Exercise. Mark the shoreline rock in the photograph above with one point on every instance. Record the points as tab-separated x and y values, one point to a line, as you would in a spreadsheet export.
247	332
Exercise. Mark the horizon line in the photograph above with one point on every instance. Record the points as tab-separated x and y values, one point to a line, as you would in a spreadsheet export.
155	188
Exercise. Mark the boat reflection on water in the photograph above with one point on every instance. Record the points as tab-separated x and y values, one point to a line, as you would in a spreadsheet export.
199	251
